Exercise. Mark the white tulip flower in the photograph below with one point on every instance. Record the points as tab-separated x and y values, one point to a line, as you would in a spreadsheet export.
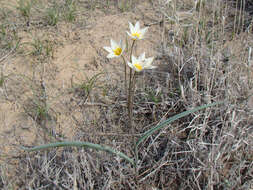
141	63
136	33
115	50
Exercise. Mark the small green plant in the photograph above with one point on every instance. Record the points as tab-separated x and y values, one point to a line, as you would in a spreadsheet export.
152	96
52	16
36	105
3	13
92	4
41	111
8	38
24	7
124	6
70	11
42	49
37	45
48	45
38	110
3	32
2	79
84	89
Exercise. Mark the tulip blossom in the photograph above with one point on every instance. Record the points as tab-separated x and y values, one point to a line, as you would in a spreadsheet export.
136	33
141	63
115	50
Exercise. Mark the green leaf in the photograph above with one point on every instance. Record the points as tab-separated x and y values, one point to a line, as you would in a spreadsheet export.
168	121
81	144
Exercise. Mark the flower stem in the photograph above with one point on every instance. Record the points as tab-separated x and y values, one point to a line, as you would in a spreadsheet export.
130	92
130	112
125	70
130	100
130	77
131	89
130	58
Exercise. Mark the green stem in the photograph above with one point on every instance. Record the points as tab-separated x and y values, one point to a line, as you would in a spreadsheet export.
130	114
125	73
130	101
131	97
130	58
130	77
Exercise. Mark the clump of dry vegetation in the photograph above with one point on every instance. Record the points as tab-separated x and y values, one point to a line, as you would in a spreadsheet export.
50	93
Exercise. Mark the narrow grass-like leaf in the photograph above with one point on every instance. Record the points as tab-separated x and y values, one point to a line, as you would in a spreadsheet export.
178	116
81	144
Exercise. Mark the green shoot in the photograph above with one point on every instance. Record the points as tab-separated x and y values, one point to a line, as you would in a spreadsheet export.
170	120
83	145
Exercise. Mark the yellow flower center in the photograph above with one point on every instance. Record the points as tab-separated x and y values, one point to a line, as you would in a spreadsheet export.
117	51
136	34
138	66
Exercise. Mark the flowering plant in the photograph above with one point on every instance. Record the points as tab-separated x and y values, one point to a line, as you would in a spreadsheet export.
136	64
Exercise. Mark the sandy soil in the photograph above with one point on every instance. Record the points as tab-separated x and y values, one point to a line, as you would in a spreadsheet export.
77	56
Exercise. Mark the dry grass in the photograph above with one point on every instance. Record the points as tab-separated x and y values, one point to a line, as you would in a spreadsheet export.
204	55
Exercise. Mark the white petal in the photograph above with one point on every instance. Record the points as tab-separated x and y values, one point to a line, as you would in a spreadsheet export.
143	31
111	55
143	64
121	44
137	26
149	60
130	65
114	45
150	67
134	60
129	34
142	57
108	49
131	27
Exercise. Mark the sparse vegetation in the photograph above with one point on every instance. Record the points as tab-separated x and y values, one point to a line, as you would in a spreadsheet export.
52	90
70	11
52	15
24	7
